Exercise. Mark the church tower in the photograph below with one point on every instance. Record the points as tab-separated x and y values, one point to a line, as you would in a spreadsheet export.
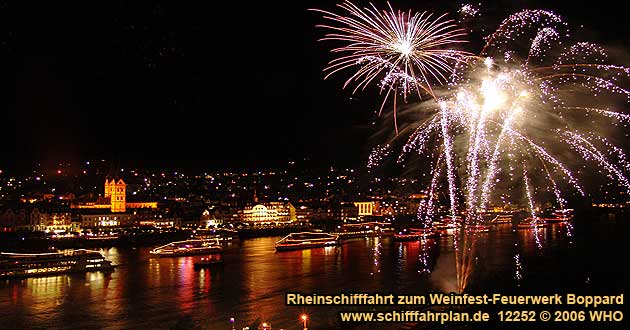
108	187
117	194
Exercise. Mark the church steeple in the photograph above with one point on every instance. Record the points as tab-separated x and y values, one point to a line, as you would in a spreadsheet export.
116	188
255	195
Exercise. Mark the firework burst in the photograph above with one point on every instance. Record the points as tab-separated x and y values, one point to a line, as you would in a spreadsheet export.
520	124
405	53
518	117
525	116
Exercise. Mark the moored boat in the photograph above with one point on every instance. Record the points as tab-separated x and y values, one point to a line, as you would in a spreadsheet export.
366	229
413	234
448	223
478	228
43	264
529	223
188	247
564	214
501	218
209	261
224	235
554	220
306	240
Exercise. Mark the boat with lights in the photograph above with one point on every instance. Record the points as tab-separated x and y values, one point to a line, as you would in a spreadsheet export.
209	261
501	219
477	228
306	240
188	248
414	234
531	223
224	235
44	264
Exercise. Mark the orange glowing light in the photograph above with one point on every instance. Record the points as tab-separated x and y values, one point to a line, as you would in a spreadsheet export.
304	317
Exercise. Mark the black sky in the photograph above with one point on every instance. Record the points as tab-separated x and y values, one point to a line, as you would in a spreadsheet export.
196	84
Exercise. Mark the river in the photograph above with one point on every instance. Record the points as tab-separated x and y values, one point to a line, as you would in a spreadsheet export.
146	292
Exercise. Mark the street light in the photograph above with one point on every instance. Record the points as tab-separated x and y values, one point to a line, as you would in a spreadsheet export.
304	318
232	323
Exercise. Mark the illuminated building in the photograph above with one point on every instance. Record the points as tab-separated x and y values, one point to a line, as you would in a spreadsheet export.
93	220
115	199
303	213
365	208
348	212
268	213
32	219
59	222
209	219
117	193
112	209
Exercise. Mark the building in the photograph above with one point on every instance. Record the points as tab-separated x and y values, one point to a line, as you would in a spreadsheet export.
115	199
116	191
58	223
347	212
7	220
268	213
303	213
365	208
113	209
45	218
209	219
91	219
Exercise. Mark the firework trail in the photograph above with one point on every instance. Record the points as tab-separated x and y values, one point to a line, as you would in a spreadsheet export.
514	125
528	111
406	53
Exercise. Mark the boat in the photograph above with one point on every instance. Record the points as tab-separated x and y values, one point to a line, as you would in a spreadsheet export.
209	261
44	264
478	228
362	230
501	218
564	214
530	224
413	234
553	220
306	240
188	248
559	216
224	235
448	223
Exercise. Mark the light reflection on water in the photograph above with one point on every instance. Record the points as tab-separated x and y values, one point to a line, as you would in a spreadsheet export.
158	293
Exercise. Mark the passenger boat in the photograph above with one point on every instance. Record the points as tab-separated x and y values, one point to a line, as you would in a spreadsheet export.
530	224
306	240
43	264
209	261
187	248
366	229
553	220
477	229
448	223
564	214
413	234
224	235
501	218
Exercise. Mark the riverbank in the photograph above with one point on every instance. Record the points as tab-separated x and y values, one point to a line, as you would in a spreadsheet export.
39	242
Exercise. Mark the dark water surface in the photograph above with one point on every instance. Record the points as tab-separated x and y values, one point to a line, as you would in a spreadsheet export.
166	293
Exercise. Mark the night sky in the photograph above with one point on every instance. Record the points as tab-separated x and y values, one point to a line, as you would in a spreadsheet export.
198	84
